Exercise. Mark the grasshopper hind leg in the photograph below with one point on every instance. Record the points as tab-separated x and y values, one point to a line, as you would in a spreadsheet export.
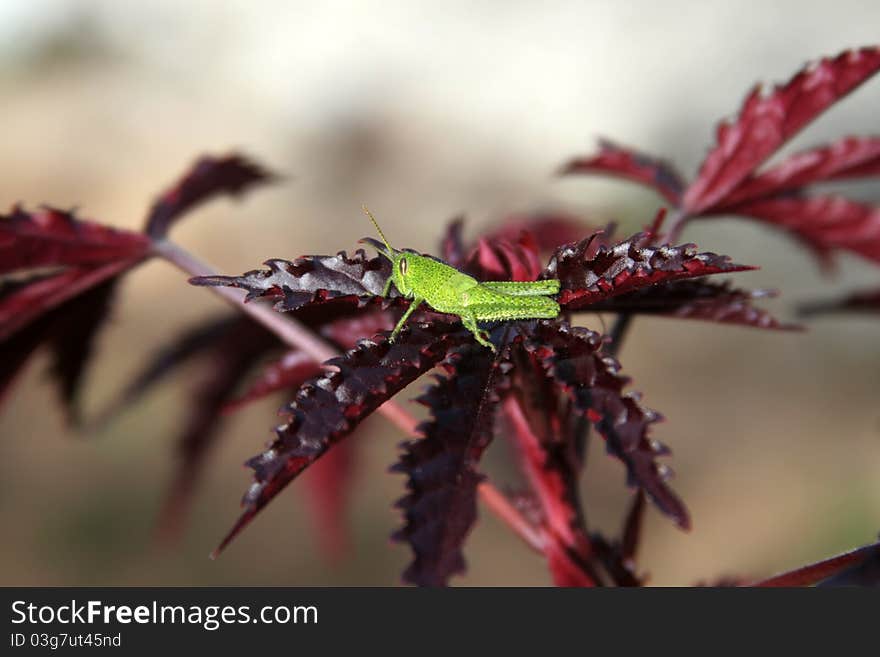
470	323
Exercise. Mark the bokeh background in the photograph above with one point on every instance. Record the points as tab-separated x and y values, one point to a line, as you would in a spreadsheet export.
423	110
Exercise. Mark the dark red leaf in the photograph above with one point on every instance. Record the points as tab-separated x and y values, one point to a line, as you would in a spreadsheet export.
852	157
857	302
209	177
347	331
51	237
287	373
192	343
311	280
329	407
625	267
226	360
623	162
548	229
574	359
441	506
698	299
68	330
547	435
767	121
27	303
552	466
75	326
501	260
293	368
823	222
860	567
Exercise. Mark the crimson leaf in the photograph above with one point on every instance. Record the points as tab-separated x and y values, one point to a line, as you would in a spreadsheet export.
294	367
572	356
766	122
226	360
851	157
552	467
697	299
69	331
286	373
441	506
65	308
51	237
192	343
625	267
503	260
548	229
210	176
328	408
310	280
822	222
623	162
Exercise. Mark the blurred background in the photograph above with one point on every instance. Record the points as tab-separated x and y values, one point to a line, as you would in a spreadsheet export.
423	111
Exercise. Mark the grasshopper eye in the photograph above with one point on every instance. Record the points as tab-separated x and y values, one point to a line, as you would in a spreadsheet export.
403	266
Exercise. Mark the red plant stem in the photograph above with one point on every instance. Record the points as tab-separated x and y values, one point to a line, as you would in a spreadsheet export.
288	329
502	507
558	533
295	334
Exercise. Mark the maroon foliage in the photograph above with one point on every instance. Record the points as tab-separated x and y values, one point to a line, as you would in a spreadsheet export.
625	267
328	408
441	506
286	373
74	327
310	280
226	361
65	308
697	299
502	260
767	121
69	331
851	157
51	237
548	230
572	356
546	442
209	177
823	223
623	162
550	387
730	182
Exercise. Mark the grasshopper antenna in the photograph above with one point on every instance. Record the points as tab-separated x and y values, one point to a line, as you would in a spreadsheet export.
376	224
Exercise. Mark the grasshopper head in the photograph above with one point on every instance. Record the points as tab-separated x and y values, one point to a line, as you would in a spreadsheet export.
400	261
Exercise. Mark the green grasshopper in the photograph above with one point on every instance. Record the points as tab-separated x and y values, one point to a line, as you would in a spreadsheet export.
447	290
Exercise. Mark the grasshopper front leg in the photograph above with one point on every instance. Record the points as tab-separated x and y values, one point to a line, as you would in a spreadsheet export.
409	311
